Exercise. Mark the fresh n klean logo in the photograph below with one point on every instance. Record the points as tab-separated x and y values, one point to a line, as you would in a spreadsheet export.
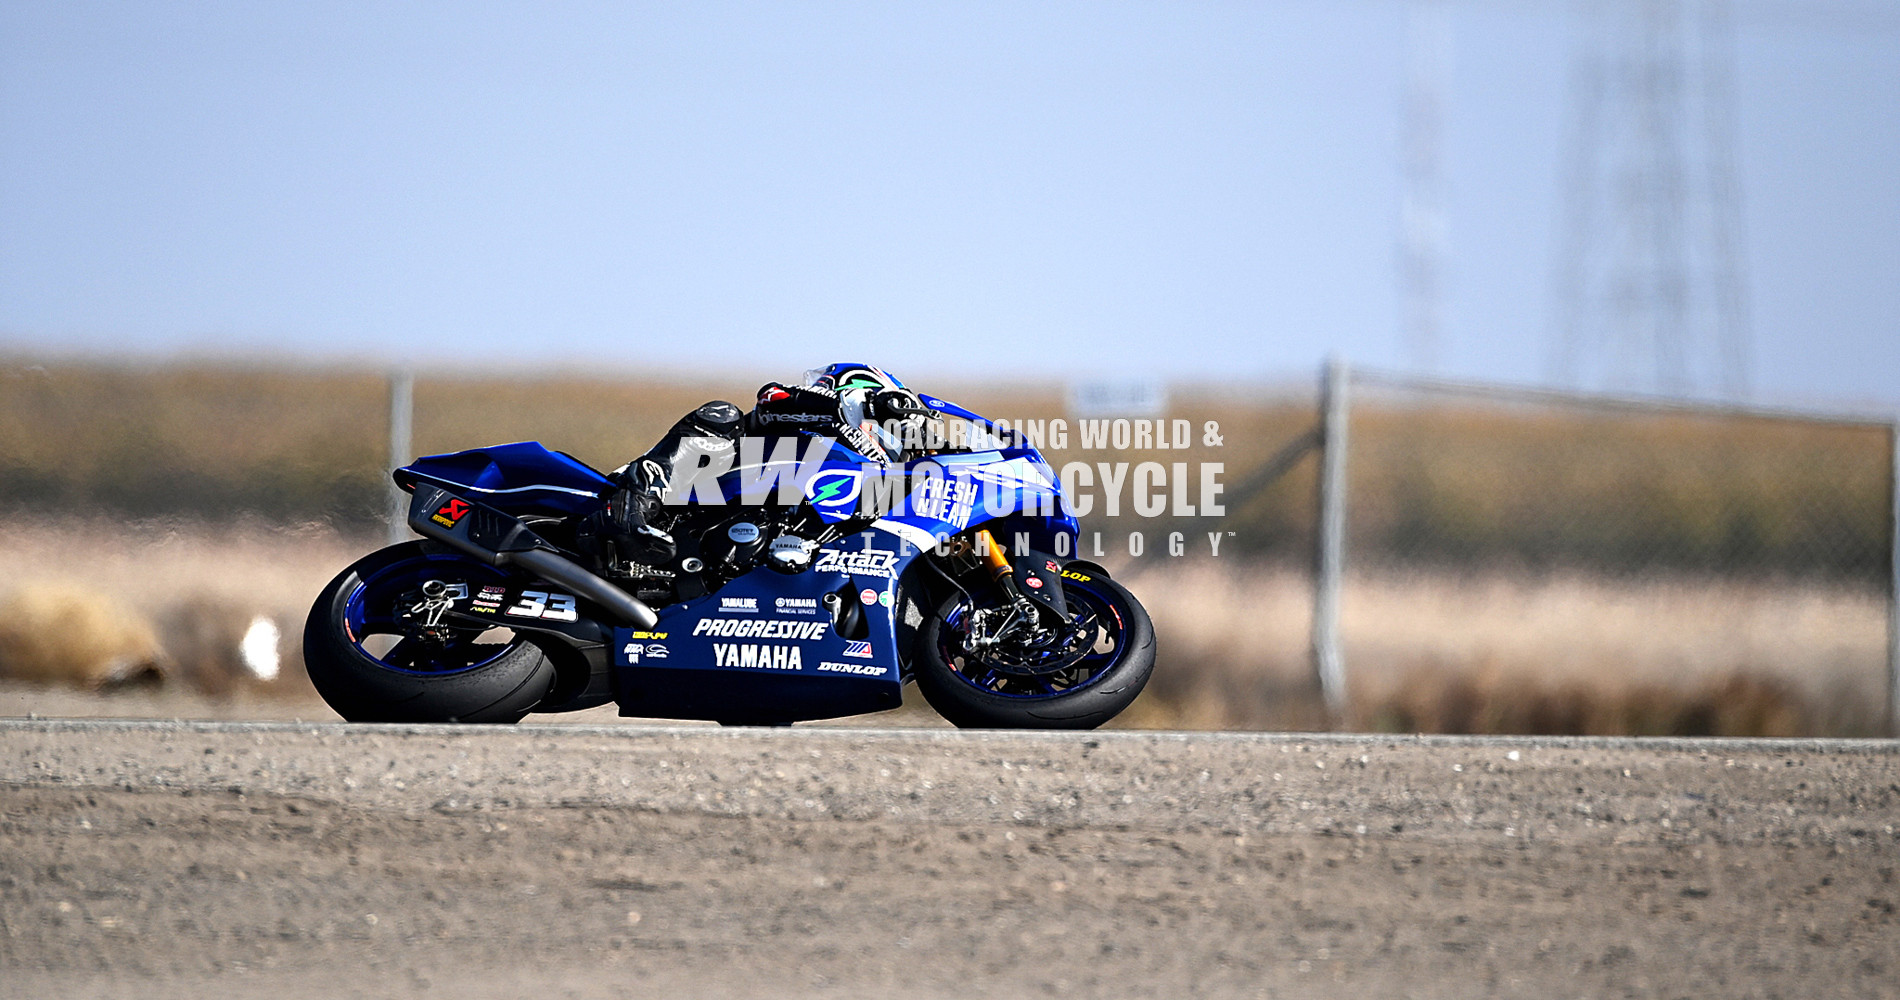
833	489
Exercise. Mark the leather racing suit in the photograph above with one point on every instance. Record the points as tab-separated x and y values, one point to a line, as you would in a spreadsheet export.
781	410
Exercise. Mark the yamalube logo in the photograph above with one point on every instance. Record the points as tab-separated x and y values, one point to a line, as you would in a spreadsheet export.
739	605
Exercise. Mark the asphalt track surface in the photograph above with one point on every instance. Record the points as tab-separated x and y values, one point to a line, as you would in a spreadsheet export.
162	860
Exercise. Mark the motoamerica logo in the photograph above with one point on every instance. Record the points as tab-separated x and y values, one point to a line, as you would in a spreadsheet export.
863	562
755	657
653	651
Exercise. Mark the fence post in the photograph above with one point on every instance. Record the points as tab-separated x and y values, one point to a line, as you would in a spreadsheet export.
402	389
1329	564
1893	588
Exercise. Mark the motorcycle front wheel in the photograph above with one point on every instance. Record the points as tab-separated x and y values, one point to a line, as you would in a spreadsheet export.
1105	660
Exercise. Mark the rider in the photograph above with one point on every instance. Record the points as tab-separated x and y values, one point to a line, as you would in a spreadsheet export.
851	402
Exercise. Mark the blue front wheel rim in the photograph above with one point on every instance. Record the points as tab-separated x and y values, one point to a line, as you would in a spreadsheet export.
1088	608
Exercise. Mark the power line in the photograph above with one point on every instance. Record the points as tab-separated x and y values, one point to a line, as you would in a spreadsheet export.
1649	286
1422	227
1874	17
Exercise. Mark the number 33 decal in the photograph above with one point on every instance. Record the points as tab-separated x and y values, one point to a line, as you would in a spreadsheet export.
545	606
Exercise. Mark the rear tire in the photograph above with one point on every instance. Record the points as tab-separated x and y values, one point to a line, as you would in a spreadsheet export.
966	705
363	688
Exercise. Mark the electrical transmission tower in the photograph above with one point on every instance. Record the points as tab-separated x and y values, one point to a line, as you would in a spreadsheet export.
1649	284
1422	212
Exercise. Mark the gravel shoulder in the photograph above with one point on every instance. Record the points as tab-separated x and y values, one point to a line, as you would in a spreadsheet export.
306	860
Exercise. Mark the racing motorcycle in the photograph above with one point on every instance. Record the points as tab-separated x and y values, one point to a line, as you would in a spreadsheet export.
958	577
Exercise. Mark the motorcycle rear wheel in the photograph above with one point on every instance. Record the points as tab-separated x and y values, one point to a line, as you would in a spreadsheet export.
456	674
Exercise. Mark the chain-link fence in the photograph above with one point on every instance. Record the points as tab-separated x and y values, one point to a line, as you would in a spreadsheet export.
1451	557
1500	558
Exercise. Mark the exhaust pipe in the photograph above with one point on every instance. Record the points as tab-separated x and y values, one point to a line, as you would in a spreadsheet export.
500	540
556	568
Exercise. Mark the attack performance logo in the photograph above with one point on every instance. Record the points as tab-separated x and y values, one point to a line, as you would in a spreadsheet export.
860	562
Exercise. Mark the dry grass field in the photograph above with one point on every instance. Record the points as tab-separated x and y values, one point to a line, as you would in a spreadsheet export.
1431	653
1510	652
1463	482
1459	483
192	593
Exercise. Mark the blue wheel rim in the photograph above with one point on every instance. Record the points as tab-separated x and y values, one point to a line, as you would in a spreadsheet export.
374	608
1086	604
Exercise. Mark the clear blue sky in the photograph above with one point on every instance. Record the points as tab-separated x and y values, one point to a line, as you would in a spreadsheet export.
1194	190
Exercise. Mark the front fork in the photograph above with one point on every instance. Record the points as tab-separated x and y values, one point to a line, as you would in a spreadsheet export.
1020	613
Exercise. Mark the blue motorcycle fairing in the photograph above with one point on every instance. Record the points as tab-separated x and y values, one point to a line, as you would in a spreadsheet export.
521	478
764	648
1055	531
949	408
945	493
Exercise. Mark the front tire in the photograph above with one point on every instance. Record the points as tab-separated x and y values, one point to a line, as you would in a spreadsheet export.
974	694
447	674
